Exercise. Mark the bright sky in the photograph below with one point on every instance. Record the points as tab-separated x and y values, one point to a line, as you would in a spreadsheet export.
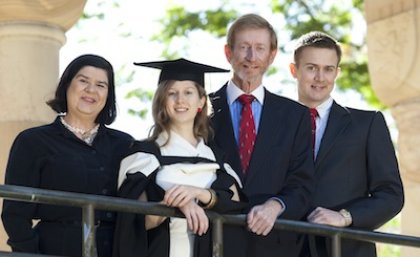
138	19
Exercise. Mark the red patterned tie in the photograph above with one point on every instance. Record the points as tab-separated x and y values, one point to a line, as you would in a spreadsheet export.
247	132
314	114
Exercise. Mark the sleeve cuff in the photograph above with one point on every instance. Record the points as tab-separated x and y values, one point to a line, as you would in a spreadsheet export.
283	205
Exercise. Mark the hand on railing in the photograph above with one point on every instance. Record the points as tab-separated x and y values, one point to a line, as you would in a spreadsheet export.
262	217
180	195
328	217
36	195
197	220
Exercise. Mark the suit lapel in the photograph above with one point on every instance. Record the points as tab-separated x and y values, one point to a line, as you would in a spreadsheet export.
267	128
223	129
339	118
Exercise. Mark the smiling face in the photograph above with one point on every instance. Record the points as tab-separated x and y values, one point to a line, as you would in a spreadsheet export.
315	71
87	93
183	102
250	57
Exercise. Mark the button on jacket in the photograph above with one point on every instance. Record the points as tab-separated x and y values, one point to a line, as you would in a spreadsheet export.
52	157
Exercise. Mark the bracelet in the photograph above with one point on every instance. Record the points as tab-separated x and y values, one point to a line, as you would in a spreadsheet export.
212	201
347	217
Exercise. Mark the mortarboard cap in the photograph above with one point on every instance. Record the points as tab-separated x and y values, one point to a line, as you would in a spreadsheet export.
181	69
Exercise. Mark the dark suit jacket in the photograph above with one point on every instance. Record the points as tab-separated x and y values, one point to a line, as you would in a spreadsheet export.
281	166
356	169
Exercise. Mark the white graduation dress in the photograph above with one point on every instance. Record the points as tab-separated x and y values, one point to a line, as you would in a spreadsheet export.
199	175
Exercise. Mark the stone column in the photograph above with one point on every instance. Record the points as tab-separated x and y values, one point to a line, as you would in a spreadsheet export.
31	35
393	39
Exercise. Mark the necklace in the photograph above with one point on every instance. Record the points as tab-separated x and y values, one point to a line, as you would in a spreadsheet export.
85	135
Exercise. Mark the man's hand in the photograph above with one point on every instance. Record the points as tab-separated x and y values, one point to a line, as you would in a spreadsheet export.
327	217
261	218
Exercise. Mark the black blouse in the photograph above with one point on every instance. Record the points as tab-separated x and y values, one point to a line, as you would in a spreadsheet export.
52	157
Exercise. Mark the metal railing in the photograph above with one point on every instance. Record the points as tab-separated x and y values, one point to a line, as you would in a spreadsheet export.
89	203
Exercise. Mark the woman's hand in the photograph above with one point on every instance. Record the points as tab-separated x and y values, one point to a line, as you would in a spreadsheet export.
180	195
197	220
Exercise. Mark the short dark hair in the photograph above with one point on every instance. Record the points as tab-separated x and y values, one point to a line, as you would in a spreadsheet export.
251	21
59	102
319	40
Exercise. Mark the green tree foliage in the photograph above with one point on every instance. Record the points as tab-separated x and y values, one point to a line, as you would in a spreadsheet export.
333	17
178	23
123	74
142	95
336	17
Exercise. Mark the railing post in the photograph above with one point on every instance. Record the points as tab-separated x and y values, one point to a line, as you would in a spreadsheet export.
336	245
217	237
89	203
89	238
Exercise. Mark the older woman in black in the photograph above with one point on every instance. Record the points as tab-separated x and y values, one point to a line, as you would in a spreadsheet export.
75	153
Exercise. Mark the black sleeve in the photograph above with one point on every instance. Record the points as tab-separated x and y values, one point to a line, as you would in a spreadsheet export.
222	185
130	237
224	203
23	169
386	194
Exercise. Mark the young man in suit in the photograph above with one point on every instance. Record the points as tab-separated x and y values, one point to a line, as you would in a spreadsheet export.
358	180
266	141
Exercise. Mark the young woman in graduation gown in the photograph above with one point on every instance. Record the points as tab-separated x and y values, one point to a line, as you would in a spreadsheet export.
177	167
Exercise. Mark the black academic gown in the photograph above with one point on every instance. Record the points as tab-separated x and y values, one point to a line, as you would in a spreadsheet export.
131	237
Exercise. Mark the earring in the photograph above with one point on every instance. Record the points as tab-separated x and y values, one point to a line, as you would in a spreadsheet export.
199	109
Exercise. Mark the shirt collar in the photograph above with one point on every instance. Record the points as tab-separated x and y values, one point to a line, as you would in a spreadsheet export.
324	108
233	92
177	145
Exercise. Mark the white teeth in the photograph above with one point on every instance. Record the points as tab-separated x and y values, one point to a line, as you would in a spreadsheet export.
88	99
250	66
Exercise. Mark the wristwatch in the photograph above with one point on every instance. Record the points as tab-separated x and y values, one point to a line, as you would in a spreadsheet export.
347	217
